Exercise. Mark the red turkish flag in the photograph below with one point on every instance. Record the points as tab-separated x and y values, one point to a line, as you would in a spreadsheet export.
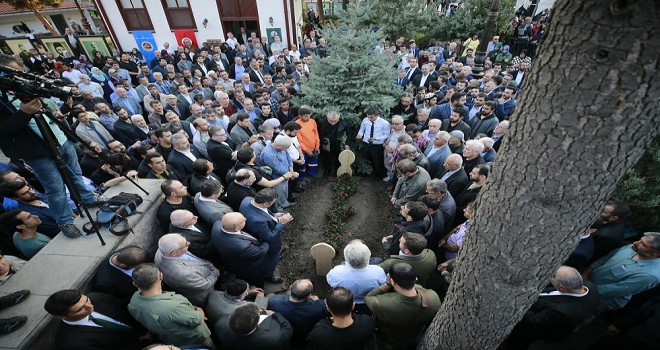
186	37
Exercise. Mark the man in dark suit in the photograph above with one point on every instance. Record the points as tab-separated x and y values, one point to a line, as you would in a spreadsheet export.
114	275
174	121
182	156
200	65
185	223
184	100
413	71
558	310
264	224
240	188
244	330
243	254
610	229
220	152
125	131
454	176
425	78
451	50
93	321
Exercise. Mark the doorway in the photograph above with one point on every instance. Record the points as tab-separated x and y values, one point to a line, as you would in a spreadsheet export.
235	27
59	22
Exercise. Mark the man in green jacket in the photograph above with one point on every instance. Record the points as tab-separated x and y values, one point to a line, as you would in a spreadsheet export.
169	316
413	251
402	315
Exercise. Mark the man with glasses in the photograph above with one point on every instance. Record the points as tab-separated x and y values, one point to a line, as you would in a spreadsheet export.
185	272
392	143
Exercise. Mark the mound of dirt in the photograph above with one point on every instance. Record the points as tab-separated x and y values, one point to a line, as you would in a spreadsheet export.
372	221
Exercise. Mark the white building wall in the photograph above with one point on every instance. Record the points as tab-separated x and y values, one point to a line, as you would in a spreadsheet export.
275	9
35	25
202	9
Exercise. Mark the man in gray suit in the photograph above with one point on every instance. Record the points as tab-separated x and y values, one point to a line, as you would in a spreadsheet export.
411	184
221	304
208	206
437	151
91	131
187	274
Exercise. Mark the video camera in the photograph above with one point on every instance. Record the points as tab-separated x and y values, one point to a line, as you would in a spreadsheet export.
28	86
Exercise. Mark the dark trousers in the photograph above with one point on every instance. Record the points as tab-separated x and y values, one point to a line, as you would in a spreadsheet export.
329	162
375	154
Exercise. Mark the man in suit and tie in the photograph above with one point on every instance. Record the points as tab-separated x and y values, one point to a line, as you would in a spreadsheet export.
188	274
93	321
182	156
255	73
264	224
199	89
401	79
184	100
558	311
451	51
200	65
437	151
114	275
425	78
245	331
243	254
454	175
413	71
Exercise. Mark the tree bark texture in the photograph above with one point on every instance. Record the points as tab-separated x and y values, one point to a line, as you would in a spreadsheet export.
588	111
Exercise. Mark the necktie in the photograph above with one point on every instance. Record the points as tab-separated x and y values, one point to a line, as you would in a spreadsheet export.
110	324
371	134
261	78
91	125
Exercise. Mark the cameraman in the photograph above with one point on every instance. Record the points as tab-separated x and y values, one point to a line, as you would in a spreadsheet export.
20	138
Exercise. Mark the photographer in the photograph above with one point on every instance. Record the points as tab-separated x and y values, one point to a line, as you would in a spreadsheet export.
110	173
20	138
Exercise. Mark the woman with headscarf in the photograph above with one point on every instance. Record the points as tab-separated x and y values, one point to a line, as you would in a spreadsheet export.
98	76
496	50
504	56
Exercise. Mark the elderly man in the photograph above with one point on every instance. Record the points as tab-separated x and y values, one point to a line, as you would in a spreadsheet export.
126	102
411	184
454	175
301	308
392	143
240	188
412	250
262	223
437	152
198	236
472	155
243	254
433	128
408	151
332	135
402	316
356	275
627	271
499	133
182	156
87	85
558	311
90	130
265	138
210	208
169	316
186	273
438	188
141	127
488	153
277	158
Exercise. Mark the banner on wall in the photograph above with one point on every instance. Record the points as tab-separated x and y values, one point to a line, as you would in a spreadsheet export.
186	37
146	43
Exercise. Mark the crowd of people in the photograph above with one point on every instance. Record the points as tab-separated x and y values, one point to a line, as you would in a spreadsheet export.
217	125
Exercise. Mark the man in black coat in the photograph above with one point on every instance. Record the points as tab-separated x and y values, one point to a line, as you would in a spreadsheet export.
240	188
558	310
114	275
182	156
454	175
220	152
244	331
185	223
243	254
85	325
176	197
610	229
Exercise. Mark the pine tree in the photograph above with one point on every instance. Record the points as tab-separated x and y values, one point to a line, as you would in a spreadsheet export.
472	20
353	77
407	18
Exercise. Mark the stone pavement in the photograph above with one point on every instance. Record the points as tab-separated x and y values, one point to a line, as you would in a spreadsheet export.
71	263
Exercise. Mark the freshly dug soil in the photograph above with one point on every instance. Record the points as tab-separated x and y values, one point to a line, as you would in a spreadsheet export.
372	221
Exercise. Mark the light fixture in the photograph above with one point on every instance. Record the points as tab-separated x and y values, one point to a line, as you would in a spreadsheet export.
205	22
271	21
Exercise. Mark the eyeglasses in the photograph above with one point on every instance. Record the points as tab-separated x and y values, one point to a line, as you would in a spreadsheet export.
182	248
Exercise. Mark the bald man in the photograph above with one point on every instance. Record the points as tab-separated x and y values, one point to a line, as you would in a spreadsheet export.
185	223
243	254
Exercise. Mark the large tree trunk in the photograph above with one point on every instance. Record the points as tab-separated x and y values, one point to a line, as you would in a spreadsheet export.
589	110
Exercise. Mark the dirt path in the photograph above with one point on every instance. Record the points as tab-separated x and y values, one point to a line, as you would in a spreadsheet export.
371	222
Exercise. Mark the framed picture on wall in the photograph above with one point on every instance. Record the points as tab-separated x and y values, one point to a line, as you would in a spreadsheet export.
56	46
20	47
94	43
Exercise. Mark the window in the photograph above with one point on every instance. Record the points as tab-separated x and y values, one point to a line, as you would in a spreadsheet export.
235	10
135	15
179	15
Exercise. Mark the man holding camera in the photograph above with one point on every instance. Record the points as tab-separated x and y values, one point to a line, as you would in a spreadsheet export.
20	138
